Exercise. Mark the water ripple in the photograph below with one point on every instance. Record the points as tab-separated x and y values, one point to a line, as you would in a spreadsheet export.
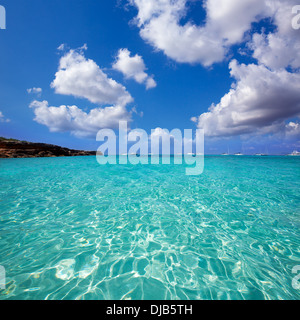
71	229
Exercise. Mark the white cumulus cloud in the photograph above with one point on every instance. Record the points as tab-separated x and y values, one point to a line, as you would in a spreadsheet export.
133	67
279	49
2	118
83	78
225	25
265	97
260	101
75	120
35	90
292	129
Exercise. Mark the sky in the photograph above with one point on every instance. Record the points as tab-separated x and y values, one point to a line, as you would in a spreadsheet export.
69	68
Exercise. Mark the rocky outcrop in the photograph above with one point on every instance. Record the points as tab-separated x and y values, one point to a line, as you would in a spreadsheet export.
24	149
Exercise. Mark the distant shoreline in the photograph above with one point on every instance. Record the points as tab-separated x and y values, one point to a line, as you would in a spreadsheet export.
11	148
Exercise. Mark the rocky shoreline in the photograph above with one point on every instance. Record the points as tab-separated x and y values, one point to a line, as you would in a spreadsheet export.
23	149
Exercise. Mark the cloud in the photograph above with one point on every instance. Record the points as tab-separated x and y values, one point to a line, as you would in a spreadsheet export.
292	129
2	118
259	102
150	83
78	122
164	134
265	97
82	78
158	139
225	25
34	90
133	68
279	49
61	47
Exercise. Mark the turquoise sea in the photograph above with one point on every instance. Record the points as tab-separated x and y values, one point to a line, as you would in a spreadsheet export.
73	229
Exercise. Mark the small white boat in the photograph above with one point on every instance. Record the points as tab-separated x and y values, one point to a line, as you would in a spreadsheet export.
238	154
295	153
226	153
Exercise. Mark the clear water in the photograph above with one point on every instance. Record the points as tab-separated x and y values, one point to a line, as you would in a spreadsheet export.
72	229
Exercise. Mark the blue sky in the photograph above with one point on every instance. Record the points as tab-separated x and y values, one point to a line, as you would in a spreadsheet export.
227	67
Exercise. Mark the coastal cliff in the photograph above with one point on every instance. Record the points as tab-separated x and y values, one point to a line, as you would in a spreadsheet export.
10	148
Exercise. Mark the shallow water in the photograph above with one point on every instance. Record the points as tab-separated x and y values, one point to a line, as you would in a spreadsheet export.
73	229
